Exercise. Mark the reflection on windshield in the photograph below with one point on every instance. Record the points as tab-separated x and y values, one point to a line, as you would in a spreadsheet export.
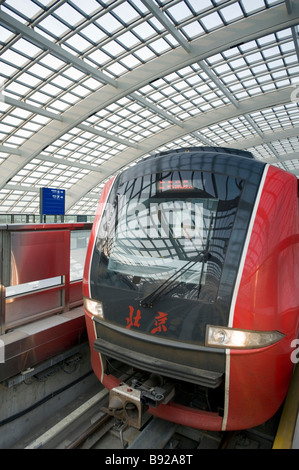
154	238
158	223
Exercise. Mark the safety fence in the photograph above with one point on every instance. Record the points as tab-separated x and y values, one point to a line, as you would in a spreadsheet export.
41	269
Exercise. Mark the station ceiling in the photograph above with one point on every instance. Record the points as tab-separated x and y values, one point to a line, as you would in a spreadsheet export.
88	87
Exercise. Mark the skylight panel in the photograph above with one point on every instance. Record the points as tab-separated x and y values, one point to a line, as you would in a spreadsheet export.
53	26
130	61
126	12
128	40
25	7
7	70
14	141
5	130
14	58
50	89
14	121
269	39
232	12
39	98
52	62
17	89
70	98
192	30
78	43
61	81
113	48
68	14
88	6
271	52
157	25
58	106
99	57
237	63
274	64
220	69
212	21
255	57
23	133
39	71
108	23
73	73
92	84
5	34
93	33
116	69
27	48
200	5
40	120
179	12
29	79
144	30
159	46
251	6
287	47
80	90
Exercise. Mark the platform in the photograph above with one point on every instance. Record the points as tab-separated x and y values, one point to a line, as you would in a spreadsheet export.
33	343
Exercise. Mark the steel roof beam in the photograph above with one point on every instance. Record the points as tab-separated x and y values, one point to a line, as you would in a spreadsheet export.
295	34
27	32
156	110
232	99
258	25
168	25
218	82
289	6
49	114
286	157
241	145
269	138
31	108
57	160
114	164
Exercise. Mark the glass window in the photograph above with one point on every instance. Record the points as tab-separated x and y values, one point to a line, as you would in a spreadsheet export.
171	228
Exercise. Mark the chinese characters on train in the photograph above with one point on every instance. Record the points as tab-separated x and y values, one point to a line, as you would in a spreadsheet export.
134	320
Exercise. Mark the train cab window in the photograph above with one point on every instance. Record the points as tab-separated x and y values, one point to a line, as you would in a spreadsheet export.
172	227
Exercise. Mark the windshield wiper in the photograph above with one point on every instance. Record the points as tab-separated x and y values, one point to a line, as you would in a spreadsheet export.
202	257
149	299
206	251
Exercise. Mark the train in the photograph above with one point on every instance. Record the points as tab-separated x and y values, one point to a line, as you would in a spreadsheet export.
190	280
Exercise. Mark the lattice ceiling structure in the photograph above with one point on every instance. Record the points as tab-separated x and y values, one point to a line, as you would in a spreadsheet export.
88	87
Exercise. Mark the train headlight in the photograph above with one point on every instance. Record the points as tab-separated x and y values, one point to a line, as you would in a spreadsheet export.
222	337
94	307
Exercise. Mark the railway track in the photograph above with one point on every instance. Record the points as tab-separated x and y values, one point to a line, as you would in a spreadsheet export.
90	427
105	432
84	424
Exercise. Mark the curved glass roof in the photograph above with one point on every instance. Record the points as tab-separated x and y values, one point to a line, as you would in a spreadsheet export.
88	87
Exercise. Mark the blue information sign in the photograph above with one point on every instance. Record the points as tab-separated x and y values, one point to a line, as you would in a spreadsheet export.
52	201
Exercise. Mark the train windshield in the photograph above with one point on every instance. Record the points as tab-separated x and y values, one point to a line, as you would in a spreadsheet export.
157	224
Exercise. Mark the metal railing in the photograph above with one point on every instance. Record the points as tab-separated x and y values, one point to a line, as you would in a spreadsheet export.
49	219
41	270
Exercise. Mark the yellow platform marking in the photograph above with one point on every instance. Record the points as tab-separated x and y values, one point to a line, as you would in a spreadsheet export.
286	428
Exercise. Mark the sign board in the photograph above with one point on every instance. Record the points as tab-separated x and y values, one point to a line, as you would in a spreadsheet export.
52	201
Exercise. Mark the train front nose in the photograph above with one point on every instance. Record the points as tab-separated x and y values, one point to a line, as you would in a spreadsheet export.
157	304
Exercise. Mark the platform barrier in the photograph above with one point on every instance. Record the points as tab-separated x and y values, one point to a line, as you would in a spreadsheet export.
41	270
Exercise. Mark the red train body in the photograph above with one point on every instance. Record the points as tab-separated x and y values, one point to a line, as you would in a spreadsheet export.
223	323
